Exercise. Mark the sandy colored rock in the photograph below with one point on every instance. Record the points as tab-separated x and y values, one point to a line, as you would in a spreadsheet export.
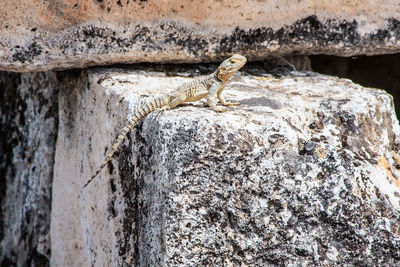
44	35
305	171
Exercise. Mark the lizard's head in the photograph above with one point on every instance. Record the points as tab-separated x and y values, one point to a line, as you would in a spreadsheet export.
230	66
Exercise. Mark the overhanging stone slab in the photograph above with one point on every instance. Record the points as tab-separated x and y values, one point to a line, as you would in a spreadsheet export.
44	35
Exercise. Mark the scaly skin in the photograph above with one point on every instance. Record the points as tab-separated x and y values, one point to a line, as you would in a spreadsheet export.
207	87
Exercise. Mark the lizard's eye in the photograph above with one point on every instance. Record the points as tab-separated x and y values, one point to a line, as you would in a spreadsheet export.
233	61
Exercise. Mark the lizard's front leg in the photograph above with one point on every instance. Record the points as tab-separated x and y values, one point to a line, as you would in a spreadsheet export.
221	98
226	103
212	92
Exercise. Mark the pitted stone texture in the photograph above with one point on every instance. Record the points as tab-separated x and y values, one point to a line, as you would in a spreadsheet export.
305	172
28	123
42	35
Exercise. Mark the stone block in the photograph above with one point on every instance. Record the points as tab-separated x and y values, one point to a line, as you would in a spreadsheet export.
306	171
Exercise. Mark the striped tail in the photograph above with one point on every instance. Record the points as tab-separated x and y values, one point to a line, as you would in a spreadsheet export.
143	110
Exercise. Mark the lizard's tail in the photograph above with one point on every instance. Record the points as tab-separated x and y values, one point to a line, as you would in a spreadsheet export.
144	109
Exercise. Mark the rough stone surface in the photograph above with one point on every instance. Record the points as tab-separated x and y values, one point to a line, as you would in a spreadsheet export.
305	172
28	123
42	35
377	71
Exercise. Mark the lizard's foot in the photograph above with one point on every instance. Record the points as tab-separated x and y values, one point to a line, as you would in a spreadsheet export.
220	109
231	104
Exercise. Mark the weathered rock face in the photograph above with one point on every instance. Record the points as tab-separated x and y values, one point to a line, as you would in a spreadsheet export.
43	35
305	172
28	123
361	71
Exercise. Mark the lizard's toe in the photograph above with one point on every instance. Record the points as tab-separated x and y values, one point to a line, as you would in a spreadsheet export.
232	104
220	109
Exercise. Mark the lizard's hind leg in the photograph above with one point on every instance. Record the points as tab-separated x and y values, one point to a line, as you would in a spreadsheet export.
176	100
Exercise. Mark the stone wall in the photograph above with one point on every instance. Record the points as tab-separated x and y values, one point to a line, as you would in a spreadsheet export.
311	174
29	119
306	171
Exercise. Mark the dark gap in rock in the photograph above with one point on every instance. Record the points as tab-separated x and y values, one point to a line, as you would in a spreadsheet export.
381	72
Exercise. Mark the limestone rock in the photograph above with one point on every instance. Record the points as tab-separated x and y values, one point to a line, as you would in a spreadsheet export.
44	35
305	172
28	123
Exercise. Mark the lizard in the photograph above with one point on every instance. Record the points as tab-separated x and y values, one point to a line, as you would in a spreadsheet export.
203	87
